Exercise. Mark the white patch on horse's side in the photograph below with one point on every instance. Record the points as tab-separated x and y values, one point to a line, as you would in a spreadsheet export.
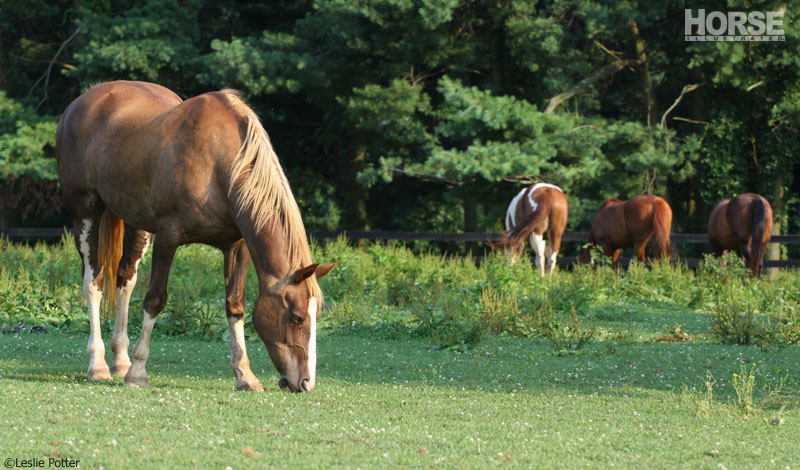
532	202
95	348
312	344
511	219
545	185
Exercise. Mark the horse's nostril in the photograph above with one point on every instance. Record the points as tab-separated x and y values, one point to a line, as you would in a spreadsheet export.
305	384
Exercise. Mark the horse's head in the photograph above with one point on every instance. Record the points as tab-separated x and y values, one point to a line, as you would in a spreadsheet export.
285	317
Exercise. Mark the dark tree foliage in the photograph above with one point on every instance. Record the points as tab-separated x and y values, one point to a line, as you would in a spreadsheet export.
430	114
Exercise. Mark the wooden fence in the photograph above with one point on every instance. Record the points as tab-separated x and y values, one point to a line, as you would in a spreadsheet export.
691	238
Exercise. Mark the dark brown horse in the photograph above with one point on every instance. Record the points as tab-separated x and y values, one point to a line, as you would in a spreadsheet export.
196	171
534	212
623	224
744	224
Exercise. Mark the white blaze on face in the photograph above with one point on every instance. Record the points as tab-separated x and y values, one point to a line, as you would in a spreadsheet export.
312	343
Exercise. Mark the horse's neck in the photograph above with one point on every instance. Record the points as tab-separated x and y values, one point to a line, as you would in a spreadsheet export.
268	252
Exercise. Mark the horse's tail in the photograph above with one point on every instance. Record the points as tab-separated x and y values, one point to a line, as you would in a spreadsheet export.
109	252
758	214
524	229
662	225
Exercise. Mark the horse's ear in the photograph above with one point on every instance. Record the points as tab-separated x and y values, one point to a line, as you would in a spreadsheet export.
325	269
304	273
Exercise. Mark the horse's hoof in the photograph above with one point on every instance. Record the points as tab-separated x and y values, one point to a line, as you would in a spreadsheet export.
136	381
99	373
120	370
249	386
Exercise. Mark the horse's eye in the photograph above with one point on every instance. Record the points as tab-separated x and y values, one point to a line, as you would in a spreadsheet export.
296	319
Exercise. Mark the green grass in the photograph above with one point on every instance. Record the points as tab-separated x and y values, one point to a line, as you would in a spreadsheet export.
422	362
396	403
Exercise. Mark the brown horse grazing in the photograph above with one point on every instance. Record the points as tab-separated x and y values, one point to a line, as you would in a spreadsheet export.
744	224
535	211
631	223
196	171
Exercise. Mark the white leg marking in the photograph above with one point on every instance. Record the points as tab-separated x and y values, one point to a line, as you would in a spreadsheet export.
119	339
240	363
312	344
137	375
537	243
98	369
552	259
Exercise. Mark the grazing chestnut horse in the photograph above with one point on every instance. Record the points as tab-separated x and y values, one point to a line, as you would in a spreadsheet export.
744	224
134	160
623	224
537	210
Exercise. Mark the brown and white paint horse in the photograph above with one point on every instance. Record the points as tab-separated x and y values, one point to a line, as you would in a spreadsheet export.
742	223
534	212
196	171
623	224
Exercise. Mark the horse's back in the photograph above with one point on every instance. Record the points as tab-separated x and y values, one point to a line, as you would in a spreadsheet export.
99	120
531	199
149	155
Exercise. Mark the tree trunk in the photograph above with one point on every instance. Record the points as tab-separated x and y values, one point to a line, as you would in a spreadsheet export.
354	212
498	62
2	62
645	79
777	203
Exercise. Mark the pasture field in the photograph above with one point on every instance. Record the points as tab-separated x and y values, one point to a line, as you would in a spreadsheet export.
422	362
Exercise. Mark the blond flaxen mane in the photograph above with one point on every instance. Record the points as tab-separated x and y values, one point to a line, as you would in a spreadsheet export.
264	192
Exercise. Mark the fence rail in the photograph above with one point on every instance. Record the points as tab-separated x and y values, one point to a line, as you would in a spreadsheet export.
695	238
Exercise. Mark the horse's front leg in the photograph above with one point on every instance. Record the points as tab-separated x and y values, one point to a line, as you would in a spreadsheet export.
164	247
237	259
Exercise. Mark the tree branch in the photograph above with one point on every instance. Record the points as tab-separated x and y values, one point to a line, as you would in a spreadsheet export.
46	75
604	72
686	89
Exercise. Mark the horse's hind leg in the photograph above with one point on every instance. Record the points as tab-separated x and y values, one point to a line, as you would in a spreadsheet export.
552	250
134	246
87	237
639	249
538	245
237	259
164	246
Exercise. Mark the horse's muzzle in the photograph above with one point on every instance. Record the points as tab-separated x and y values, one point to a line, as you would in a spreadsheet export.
304	385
